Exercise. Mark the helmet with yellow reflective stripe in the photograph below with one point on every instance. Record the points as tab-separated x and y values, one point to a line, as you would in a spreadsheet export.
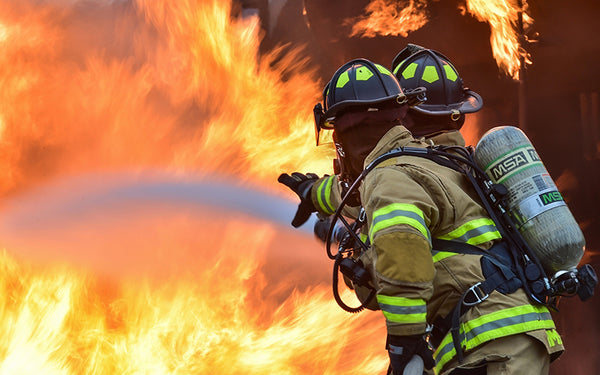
358	83
416	66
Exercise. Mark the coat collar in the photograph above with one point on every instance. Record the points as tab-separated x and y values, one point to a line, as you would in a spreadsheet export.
399	136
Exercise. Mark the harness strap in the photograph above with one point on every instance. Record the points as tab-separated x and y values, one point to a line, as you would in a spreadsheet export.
457	247
473	296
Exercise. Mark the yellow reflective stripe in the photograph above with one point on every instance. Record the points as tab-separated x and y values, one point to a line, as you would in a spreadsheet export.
538	312
405	318
400	301
439	255
324	195
399	213
474	232
363	237
466	227
402	309
484	237
507	313
553	337
505	331
492	326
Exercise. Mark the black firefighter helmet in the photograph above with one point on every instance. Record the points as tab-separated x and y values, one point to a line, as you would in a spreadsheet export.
360	103
416	66
357	84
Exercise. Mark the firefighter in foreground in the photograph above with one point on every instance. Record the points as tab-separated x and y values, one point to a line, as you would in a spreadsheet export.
409	203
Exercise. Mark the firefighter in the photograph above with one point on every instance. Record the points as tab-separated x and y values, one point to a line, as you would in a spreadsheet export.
409	202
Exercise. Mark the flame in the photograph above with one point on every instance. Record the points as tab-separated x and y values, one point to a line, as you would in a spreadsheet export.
503	15
149	84
96	87
388	17
472	129
224	318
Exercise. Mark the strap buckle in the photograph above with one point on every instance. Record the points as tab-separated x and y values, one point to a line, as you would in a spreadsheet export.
478	295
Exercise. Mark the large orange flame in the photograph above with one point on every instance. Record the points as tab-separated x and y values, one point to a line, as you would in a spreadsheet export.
228	310
94	87
149	84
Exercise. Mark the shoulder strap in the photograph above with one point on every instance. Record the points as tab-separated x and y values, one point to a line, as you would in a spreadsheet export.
433	153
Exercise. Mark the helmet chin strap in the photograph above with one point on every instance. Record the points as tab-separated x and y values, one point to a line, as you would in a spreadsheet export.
341	157
422	125
346	178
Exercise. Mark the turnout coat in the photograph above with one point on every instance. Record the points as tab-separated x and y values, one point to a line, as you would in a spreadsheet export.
409	201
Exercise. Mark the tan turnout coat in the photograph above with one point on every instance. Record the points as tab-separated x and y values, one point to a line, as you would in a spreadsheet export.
409	201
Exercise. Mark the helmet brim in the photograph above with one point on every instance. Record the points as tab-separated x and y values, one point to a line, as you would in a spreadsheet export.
358	105
472	103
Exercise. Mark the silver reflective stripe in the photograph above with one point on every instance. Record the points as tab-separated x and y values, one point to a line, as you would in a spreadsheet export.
506	322
491	326
403	310
397	214
474	232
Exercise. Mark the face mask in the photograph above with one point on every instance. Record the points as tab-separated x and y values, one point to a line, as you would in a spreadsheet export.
357	132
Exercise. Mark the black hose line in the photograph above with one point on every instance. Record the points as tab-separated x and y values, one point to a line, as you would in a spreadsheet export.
336	292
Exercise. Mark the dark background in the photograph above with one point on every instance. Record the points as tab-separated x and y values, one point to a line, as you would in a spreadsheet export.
559	103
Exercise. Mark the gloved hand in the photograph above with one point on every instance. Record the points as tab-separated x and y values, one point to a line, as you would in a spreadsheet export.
402	348
301	185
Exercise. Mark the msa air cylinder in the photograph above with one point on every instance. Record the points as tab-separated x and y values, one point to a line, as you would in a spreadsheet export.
534	203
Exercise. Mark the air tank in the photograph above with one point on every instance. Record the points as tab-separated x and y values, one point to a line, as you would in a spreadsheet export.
533	201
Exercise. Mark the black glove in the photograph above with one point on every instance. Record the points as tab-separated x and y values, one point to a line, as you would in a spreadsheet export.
301	185
402	348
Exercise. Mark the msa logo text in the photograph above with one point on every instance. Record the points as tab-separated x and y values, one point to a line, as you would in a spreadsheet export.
509	164
550	197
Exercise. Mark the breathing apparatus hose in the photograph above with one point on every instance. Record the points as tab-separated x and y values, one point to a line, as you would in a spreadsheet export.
338	216
338	258
336	292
